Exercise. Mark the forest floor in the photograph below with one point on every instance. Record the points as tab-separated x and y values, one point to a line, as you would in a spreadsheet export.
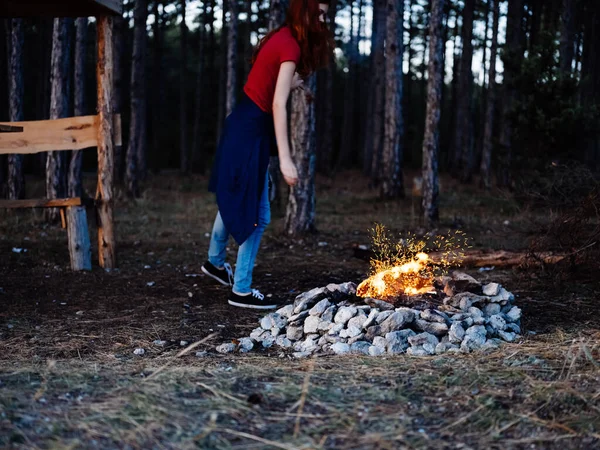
69	378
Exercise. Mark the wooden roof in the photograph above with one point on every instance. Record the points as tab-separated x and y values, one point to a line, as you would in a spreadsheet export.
60	8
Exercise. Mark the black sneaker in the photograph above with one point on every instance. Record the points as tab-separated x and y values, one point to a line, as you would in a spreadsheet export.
253	300
223	276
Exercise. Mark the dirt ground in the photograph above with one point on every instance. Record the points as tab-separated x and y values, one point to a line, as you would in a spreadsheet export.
69	377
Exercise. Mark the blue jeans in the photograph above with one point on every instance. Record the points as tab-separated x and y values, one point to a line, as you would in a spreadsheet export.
247	252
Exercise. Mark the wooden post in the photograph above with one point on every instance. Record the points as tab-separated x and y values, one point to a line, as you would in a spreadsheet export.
79	238
104	198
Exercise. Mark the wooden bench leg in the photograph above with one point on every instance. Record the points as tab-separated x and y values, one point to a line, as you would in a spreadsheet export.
79	238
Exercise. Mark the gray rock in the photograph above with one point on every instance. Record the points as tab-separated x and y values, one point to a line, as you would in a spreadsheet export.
300	355
320	307
379	304
358	320
354	339
513	327
308	345
376	351
444	347
475	312
324	325
373	331
360	348
465	300
333	339
328	314
277	331
432	316
226	348
350	332
491	344
436	328
246	345
397	341
283	341
397	321
456	333
363	308
491	331
298	317
273	320
340	348
429	348
504	295
491	289
267	340
371	318
514	314
422	339
508	336
256	333
342	291
475	337
201	354
465	282
287	311
141	351
380	341
336	329
159	343
383	315
417	351
307	299
344	314
491	309
497	322
412	314
294	333
311	324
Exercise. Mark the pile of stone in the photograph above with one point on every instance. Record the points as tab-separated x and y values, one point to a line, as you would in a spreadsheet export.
332	320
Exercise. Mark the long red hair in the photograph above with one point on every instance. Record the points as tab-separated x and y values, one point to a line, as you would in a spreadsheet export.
313	36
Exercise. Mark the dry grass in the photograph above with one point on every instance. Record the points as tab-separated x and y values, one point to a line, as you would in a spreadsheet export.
70	380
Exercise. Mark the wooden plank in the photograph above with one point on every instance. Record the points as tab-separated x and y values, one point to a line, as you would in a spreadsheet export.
41	203
10	129
60	8
79	238
71	133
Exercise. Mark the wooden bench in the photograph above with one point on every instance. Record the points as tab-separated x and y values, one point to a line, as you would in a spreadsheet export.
74	133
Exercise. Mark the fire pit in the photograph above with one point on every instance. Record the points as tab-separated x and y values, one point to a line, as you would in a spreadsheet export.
447	314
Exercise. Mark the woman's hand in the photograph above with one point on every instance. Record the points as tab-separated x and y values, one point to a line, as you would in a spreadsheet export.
297	82
289	171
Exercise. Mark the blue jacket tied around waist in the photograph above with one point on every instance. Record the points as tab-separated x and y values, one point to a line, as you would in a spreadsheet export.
240	167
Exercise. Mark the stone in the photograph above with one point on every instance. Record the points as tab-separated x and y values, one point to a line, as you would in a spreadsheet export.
287	311
307	299
475	337
435	328
340	348
397	321
508	336
298	317
379	304
267	340
308	345
465	300
373	331
456	333
311	324
422	339
513	327
514	314
320	307
491	344
491	309
276	331
226	348
322	341
432	316
350	332
283	341
354	339
380	341
417	351
444	347
376	351
245	345
371	318
383	315
358	320
341	291
256	333
300	355
491	289
140	351
273	320
160	343
360	348
475	312
324	325
294	333
328	314
497	322
344	314
465	283
397	341
503	295
336	329
363	308
201	354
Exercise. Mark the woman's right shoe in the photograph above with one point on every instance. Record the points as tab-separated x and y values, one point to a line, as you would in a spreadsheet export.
223	276
253	300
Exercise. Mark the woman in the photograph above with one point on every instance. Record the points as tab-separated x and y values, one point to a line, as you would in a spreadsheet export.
240	176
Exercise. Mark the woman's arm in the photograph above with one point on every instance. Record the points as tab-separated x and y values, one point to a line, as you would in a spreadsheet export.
282	92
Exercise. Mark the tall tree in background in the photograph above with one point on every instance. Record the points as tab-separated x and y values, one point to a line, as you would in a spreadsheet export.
74	182
232	34
59	108
16	181
183	140
197	158
486	155
158	87
4	97
118	51
392	185
590	75
463	137
567	37
137	128
300	212
432	120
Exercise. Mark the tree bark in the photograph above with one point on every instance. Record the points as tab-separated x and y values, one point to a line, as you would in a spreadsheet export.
232	32
119	45
378	88
432	120
590	76
197	154
75	189
486	157
137	141
392	185
183	139
157	100
567	37
300	212
59	108
223	61
16	181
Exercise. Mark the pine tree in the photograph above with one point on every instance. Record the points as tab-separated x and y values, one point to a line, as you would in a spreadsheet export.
16	181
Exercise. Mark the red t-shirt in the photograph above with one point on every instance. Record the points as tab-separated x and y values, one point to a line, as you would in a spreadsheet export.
260	87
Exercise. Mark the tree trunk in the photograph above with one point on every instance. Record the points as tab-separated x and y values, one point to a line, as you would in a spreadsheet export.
486	157
392	185
75	189
119	44
232	32
59	108
463	140
300	212
590	76
137	141
379	90
512	58
4	98
567	37
432	120
16	182
197	153
157	80
183	140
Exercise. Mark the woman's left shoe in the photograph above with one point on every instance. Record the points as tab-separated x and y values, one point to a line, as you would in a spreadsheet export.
253	300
